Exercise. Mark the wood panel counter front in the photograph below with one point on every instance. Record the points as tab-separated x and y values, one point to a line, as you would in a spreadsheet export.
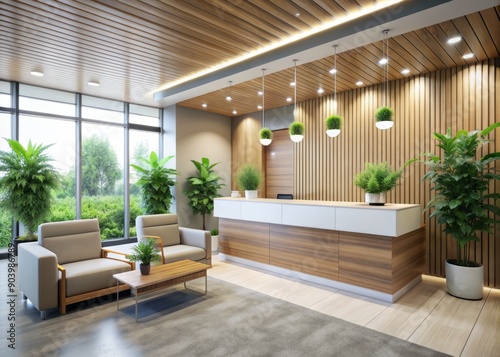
376	251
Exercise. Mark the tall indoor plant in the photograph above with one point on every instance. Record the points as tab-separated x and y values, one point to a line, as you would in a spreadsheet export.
26	184
156	183
203	188
376	180
463	202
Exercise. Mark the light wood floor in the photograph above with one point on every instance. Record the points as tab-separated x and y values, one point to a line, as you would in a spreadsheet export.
426	315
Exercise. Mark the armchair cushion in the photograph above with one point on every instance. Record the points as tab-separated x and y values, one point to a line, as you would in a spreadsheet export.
178	252
92	274
164	226
71	241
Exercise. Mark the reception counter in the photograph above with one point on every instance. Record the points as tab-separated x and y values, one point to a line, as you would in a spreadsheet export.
377	251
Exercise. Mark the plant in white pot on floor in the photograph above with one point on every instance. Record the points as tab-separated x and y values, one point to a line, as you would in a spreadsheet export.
249	179
465	203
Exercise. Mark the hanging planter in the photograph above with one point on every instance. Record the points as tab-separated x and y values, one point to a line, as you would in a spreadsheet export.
296	131
333	125
266	136
384	117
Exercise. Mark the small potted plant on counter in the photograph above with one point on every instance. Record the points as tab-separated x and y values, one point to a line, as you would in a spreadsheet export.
215	240
376	180
249	178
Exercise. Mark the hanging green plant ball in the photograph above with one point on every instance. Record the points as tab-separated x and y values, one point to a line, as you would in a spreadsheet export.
384	114
266	133
333	122
297	128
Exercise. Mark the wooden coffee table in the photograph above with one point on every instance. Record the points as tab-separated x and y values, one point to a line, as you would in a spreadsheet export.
160	277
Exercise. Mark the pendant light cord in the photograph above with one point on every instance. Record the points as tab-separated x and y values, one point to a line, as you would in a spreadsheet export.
335	78
263	93
295	90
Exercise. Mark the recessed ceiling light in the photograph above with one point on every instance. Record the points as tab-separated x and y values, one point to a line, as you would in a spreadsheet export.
37	73
333	71
204	105
260	92
405	71
297	14
235	112
453	40
383	61
359	83
292	84
468	55
93	84
259	107
289	99
321	91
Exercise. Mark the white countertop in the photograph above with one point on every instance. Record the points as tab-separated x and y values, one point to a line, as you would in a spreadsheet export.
389	220
363	205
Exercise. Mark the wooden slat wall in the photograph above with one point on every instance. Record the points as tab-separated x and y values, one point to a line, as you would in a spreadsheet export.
279	164
246	148
463	97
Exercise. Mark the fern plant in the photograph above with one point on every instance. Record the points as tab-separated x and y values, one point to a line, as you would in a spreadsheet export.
27	183
203	188
377	178
156	183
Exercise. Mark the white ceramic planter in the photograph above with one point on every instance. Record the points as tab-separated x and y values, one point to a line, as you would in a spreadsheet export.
215	244
250	194
333	132
465	282
375	199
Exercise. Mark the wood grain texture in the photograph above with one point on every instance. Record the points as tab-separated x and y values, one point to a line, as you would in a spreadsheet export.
246	148
279	164
366	260
305	250
249	240
464	97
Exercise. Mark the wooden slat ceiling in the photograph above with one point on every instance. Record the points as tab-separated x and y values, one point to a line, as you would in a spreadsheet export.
134	47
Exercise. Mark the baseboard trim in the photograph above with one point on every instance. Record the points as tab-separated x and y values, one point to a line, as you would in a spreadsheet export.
327	282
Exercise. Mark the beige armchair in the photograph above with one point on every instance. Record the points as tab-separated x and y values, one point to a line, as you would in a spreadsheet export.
66	265
178	242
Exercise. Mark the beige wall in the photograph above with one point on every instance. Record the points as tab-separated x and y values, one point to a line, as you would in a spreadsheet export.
200	134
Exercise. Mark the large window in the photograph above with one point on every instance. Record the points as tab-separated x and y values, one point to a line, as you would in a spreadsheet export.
47	101
60	135
5	94
141	145
102	177
92	184
5	219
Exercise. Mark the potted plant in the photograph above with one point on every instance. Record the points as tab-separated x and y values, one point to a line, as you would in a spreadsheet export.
376	180
249	178
145	252
215	240
266	136
461	179
384	117
333	125
155	183
296	131
26	185
203	188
